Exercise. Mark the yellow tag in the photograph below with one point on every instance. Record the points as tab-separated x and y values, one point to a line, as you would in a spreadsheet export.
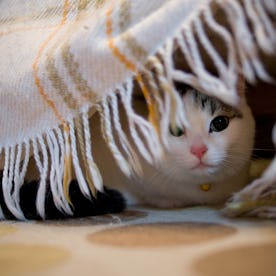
205	187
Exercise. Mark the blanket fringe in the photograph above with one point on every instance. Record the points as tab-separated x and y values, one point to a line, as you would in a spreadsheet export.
168	103
52	153
8	176
55	144
248	30
141	132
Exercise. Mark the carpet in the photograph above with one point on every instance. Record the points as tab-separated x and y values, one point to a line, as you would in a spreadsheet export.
195	241
141	241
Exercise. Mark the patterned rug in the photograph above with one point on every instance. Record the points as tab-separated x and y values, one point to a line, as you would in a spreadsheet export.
193	241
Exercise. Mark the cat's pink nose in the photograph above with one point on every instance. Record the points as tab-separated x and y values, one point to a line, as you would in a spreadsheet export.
199	151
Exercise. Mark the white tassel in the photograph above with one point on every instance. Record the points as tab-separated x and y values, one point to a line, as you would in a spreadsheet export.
61	143
53	151
209	83
225	35
126	146
270	6
94	171
56	173
227	72
78	171
20	169
173	108
146	128
163	104
25	163
14	177
247	49
8	185
123	164
41	158
18	180
262	26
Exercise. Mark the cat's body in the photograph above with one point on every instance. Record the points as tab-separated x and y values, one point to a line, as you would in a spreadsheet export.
204	163
199	166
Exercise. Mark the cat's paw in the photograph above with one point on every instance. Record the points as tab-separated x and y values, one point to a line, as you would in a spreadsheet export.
257	199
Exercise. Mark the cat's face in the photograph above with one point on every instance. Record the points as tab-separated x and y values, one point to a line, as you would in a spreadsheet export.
216	144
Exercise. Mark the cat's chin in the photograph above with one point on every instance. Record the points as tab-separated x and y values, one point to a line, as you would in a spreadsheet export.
203	172
195	174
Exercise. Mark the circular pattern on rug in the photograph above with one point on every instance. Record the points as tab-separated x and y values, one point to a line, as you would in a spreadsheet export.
6	229
161	234
251	260
21	259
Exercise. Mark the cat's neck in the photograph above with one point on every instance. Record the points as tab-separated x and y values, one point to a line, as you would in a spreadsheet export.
160	190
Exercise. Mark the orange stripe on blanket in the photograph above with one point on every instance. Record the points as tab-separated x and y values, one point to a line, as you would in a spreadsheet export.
130	66
38	83
67	177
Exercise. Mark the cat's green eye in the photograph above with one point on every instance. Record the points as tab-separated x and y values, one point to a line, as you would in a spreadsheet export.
176	131
219	124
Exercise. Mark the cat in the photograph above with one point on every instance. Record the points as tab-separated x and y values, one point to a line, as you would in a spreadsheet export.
204	163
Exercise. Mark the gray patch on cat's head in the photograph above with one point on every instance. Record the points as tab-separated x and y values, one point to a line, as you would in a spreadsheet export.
205	102
213	105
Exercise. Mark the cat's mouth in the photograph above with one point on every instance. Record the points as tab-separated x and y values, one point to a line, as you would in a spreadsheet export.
202	166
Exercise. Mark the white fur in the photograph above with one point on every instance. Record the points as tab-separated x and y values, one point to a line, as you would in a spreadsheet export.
175	183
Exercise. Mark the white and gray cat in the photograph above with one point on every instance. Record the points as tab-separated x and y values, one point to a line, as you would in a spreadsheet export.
205	162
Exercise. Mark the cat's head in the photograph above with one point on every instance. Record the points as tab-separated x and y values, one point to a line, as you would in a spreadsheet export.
216	144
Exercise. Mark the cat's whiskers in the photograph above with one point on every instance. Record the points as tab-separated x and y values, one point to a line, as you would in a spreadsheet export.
229	168
161	179
179	161
154	176
238	161
236	157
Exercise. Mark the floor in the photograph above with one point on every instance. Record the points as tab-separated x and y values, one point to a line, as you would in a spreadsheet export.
140	241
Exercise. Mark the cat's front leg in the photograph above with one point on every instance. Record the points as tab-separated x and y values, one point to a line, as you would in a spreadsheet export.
259	198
